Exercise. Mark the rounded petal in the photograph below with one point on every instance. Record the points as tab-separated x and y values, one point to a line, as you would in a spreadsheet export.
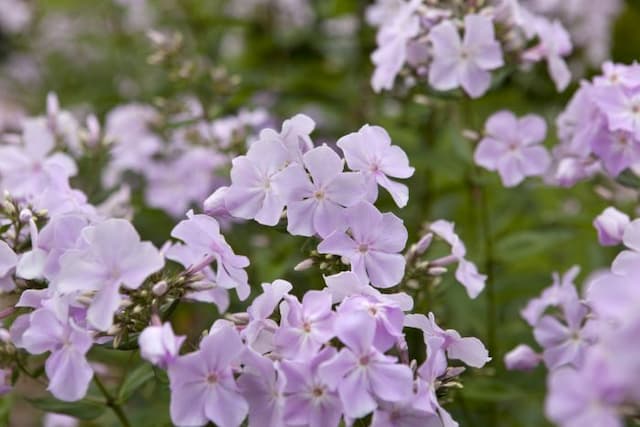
323	164
384	270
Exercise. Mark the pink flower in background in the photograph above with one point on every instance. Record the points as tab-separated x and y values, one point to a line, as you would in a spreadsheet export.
111	255
513	147
610	225
370	152
467	272
464	62
554	44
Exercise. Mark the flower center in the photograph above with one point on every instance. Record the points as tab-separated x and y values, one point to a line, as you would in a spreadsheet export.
212	378
364	361
318	195
363	247
306	326
318	391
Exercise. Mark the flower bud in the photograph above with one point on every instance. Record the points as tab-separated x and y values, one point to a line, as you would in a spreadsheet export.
5	337
522	358
25	215
304	265
610	225
160	288
423	244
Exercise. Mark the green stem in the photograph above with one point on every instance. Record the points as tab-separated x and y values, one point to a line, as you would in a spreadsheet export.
112	403
489	267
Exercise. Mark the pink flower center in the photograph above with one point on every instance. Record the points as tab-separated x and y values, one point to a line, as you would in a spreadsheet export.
318	391
212	378
363	247
318	195
364	361
306	326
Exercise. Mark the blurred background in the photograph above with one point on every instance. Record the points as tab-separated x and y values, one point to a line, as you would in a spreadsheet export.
283	57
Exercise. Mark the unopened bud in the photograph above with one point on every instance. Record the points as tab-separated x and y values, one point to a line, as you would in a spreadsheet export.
84	299
202	285
8	207
160	288
471	135
423	244
125	303
113	330
238	318
304	265
25	215
437	271
5	337
137	309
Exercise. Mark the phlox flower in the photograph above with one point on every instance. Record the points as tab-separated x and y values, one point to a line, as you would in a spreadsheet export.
66	367
263	386
370	152
201	234
251	194
610	225
28	168
469	350
259	332
360	372
159	345
464	62
202	384
111	255
372	245
513	147
305	326
316	201
309	399
294	136
554	44
466	273
8	262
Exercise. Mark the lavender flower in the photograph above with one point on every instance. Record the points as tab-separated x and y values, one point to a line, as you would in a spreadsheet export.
512	147
159	345
316	205
370	152
362	373
202	384
111	255
465	62
372	246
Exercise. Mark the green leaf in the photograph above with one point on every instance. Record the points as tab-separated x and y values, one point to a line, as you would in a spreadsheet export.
83	409
521	245
136	379
629	179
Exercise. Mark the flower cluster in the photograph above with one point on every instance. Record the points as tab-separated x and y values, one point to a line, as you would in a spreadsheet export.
589	23
600	127
454	44
588	382
338	353
84	278
181	158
